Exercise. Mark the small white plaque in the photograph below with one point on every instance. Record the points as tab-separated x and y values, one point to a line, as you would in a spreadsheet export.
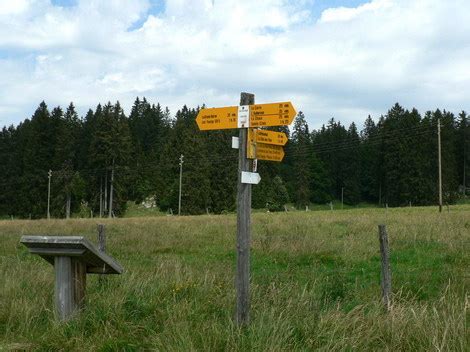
235	143
243	116
252	178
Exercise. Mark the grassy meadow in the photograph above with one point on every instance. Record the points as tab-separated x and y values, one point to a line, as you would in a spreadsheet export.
315	284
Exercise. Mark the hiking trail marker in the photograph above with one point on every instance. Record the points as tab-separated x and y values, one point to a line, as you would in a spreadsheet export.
265	145
244	116
255	144
268	137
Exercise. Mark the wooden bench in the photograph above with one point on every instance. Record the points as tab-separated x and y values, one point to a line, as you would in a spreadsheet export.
73	257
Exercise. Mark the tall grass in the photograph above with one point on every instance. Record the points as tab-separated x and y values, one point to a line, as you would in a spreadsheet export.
315	284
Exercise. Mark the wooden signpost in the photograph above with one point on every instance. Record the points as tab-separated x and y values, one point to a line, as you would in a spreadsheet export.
252	144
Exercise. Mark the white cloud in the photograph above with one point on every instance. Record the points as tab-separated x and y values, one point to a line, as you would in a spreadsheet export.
349	63
348	13
8	8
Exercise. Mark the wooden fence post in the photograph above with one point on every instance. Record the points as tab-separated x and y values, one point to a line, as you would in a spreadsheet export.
386	277
101	238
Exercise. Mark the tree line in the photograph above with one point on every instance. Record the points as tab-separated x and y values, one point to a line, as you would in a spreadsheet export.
392	161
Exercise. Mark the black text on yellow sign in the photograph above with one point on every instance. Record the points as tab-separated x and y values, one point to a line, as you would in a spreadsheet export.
263	151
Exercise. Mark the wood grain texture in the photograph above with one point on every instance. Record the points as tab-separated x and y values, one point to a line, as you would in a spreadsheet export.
64	288
242	280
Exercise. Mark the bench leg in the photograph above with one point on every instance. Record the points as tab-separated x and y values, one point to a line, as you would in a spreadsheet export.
70	282
79	278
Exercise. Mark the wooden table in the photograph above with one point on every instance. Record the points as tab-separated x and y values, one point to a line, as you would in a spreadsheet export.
73	257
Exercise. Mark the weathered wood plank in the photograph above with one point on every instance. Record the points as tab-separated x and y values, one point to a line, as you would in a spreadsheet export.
64	288
79	283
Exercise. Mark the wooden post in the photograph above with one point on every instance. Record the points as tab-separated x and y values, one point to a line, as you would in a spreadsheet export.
63	287
242	280
70	286
386	277
79	283
101	237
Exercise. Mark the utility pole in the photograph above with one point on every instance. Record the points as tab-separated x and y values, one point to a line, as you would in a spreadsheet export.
242	280
342	197
101	196
464	155
181	179
68	204
106	191
111	193
440	163
49	174
380	194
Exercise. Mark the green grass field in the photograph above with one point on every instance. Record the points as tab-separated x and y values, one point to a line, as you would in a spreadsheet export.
315	284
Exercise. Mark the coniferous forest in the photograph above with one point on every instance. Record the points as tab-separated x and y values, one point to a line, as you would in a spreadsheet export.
390	160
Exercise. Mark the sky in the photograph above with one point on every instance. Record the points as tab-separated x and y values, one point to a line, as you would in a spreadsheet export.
332	58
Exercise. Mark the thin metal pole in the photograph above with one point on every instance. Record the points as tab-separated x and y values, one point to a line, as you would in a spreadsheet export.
440	163
49	195
181	181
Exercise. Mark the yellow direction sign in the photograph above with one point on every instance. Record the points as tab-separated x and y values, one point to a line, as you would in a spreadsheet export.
270	137
274	114
263	151
217	118
269	152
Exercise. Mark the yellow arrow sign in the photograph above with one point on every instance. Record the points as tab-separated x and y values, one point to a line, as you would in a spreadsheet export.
217	118
269	152
270	137
274	114
263	151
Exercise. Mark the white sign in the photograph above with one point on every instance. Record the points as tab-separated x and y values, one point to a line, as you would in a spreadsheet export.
235	143
252	178
243	116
